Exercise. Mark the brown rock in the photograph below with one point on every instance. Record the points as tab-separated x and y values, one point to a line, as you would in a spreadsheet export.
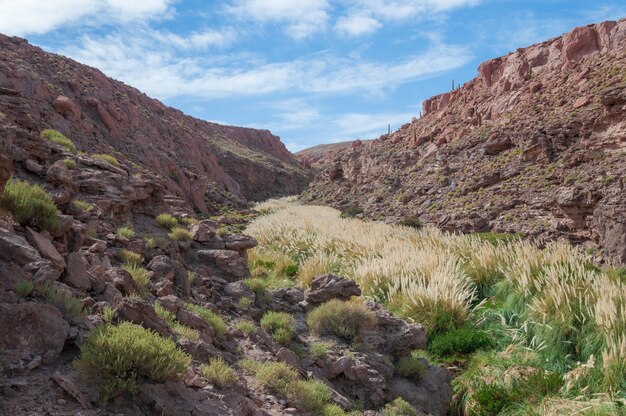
287	356
59	174
76	272
32	327
67	107
581	102
45	248
14	248
329	286
194	321
203	231
141	313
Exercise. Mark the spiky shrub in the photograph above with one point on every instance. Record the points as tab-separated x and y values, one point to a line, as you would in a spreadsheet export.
311	395
119	355
167	221
280	325
126	232
213	319
463	341
245	302
277	377
58	138
24	288
179	234
345	319
128	256
398	407
69	163
82	204
179	329
218	372
139	274
30	204
259	287
319	350
410	367
246	327
335	410
107	158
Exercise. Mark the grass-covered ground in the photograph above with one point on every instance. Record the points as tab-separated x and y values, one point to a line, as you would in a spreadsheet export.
527	331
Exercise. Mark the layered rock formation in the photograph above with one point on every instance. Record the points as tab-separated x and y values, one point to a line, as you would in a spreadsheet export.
204	164
534	144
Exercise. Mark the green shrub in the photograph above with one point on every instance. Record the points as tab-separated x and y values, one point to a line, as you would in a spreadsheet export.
245	302
280	325
490	400
277	377
118	355
30	204
84	205
108	314
410	367
166	220
412	222
24	288
464	340
334	410
320	349
191	277
70	163
345	319
126	232
223	231
290	270
64	302
128	256
187	220
498	238
219	373
246	326
311	395
351	211
156	241
139	275
398	407
180	234
107	158
259	287
213	319
58	138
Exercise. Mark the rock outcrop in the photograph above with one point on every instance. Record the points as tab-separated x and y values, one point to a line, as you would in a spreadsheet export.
534	144
204	164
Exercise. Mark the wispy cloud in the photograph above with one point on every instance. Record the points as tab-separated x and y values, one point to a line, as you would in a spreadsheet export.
355	25
26	17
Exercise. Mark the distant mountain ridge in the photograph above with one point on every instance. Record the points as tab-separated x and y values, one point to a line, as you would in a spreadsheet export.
203	164
536	143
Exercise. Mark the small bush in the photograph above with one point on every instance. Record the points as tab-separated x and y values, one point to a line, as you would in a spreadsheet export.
180	234
245	302
139	275
70	163
64	302
491	399
118	355
311	395
128	256
290	270
351	211
107	158
84	205
398	407
277	377
410	367
334	410
280	325
219	373
259	287
191	277
498	238
320	350
213	319
126	232
24	288
58	138
412	222
154	242
345	319
30	204
223	231
167	221
464	340
246	326
187	220
108	313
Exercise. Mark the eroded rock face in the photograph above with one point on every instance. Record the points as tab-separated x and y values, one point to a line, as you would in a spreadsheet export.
610	220
6	159
14	248
32	327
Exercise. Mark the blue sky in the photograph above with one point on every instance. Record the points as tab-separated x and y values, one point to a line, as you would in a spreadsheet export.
312	71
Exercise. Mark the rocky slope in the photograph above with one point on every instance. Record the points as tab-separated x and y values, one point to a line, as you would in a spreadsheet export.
316	155
536	143
202	163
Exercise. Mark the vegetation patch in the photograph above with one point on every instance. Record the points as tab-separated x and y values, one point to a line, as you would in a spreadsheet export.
213	319
84	205
463	341
30	204
65	302
70	163
139	275
280	325
128	256
58	138
345	319
179	234
126	232
24	288
410	367
218	372
118	355
398	407
167	221
276	377
107	158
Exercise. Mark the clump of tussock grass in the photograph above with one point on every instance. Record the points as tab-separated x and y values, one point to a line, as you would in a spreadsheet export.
30	204
59	138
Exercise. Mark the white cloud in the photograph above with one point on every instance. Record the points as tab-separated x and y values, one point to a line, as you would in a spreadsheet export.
357	25
198	40
405	9
19	18
161	71
354	126
302	17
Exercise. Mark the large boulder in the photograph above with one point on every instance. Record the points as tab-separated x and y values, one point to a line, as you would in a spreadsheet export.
67	107
227	264
76	273
329	286
431	394
141	313
14	248
45	247
32	327
610	221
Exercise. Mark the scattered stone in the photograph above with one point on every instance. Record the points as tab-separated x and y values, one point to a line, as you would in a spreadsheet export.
329	286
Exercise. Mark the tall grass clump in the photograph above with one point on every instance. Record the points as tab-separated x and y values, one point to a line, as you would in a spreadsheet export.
126	232
118	355
30	204
213	319
107	158
139	274
280	325
58	138
345	319
218	372
166	220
